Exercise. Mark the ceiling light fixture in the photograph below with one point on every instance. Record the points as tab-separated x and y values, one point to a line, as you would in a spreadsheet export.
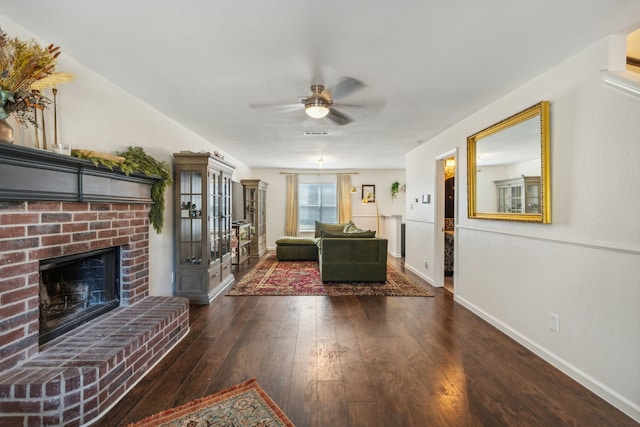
450	168
320	161
316	106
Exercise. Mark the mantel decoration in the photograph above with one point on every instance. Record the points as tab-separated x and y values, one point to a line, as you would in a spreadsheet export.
134	159
26	69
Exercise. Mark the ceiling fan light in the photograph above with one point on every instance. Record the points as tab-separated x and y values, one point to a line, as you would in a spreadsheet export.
316	107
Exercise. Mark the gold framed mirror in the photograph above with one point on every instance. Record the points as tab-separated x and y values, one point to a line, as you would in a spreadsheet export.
508	170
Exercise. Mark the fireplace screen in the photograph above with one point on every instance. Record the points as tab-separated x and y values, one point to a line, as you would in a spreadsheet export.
76	289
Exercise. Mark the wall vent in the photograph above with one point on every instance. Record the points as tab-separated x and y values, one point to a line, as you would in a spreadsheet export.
316	133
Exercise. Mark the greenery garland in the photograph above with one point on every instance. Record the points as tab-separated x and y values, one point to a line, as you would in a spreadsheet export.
136	160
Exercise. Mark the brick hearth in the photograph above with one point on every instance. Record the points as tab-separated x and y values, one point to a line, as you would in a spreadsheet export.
79	376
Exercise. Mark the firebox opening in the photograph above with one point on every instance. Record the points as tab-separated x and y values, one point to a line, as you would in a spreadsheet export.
77	288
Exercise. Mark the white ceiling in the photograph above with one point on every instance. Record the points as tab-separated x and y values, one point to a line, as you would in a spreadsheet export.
427	64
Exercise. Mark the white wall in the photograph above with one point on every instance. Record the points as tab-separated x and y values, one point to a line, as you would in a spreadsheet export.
364	216
95	114
585	266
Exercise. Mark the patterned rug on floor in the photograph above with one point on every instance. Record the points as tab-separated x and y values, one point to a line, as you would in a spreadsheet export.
245	404
286	278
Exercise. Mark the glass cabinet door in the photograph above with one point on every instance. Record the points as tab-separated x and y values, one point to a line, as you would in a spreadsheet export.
251	209
225	214
263	217
503	199
214	215
532	196
516	198
191	235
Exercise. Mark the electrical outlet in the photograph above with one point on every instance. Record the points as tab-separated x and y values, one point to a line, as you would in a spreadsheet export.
554	322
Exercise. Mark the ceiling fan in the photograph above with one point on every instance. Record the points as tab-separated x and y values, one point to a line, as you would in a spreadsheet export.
322	102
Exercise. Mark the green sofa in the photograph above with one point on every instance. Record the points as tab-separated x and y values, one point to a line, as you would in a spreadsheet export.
359	259
344	252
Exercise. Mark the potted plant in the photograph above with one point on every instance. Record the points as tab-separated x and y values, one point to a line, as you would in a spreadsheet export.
395	187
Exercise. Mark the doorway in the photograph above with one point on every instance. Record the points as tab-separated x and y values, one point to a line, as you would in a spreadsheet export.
446	167
449	220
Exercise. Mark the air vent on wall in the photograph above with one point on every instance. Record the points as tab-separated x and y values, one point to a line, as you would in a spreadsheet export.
316	133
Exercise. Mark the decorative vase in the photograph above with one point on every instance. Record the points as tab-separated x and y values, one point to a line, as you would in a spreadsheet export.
6	132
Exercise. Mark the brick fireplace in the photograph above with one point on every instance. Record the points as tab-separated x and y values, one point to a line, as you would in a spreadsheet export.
78	376
32	231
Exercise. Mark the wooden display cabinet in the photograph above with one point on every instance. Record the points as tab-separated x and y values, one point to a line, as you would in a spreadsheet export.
519	195
202	226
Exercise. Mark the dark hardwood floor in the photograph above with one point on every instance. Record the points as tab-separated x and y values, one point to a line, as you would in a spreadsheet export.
365	361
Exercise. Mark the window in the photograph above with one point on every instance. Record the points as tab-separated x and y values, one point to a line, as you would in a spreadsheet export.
317	202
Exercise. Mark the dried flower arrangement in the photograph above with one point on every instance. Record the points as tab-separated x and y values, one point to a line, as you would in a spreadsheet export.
26	68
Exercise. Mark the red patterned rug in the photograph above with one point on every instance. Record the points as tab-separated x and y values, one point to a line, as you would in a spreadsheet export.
245	404
273	277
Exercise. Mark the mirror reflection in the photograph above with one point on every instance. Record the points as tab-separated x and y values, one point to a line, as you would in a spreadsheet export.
508	168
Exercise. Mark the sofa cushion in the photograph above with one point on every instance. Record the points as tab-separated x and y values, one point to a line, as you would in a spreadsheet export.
295	241
334	228
356	234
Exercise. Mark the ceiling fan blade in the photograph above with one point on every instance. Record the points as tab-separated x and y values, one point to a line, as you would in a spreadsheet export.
371	105
347	86
279	107
338	117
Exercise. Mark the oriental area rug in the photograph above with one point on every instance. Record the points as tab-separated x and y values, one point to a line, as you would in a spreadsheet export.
302	278
245	404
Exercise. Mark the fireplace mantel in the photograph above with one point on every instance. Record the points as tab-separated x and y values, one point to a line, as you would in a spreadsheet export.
32	174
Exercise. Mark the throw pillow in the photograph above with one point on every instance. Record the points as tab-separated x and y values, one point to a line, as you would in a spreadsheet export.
334	228
351	228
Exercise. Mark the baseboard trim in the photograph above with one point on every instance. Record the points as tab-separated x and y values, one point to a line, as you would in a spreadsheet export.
394	254
606	393
419	273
